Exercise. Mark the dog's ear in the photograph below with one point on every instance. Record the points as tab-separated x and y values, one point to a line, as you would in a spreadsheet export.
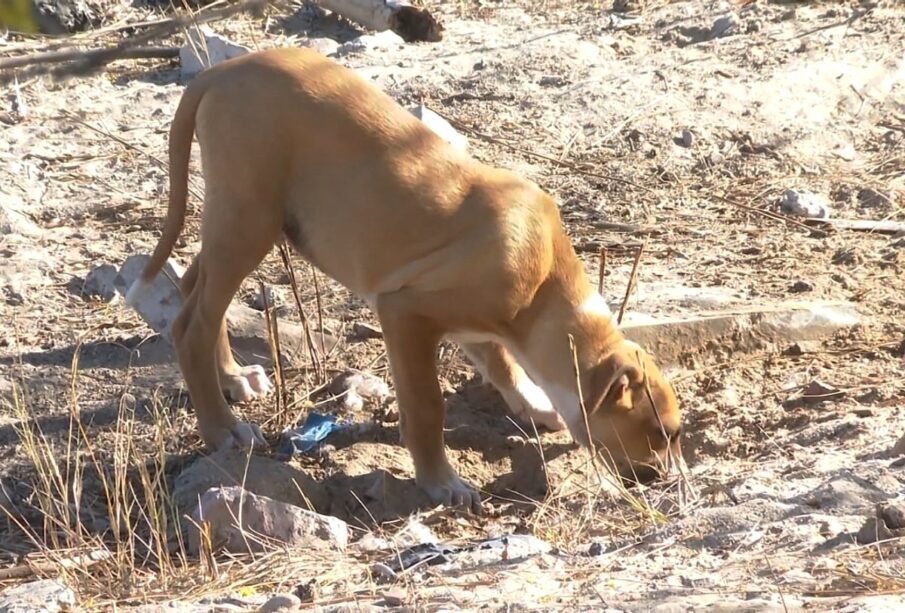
614	383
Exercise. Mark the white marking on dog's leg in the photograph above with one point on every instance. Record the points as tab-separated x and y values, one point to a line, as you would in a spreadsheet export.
569	408
594	304
528	401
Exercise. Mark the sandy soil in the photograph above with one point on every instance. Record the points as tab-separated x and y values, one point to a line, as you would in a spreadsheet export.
591	105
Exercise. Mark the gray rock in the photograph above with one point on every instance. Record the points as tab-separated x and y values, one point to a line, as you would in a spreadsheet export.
14	295
365	331
258	474
101	283
205	48
440	126
395	596
240	521
801	286
804	204
727	25
687	138
281	602
379	41
845	493
740	331
873	530
46	596
893	514
869	198
898	448
324	46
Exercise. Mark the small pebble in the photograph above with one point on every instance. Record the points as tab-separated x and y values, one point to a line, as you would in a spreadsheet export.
364	331
394	597
281	602
800	287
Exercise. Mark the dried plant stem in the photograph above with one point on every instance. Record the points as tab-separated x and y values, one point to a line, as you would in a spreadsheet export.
631	283
273	335
313	354
602	269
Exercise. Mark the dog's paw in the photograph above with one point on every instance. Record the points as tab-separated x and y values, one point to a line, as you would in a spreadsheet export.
452	491
528	402
250	383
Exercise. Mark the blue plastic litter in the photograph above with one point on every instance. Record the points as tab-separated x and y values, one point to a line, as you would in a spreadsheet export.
316	428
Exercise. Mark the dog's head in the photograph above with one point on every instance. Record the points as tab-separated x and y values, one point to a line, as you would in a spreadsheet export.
632	412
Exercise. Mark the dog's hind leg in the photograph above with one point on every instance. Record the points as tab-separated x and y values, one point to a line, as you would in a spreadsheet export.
238	383
525	399
200	331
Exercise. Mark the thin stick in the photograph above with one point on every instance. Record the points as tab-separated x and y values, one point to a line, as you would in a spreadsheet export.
313	354
584	410
631	283
602	271
320	309
273	334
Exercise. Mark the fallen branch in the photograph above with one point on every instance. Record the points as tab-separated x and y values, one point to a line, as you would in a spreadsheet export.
86	62
409	22
93	58
860	225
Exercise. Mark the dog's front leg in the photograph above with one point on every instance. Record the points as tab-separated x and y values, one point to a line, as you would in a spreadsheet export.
526	400
411	342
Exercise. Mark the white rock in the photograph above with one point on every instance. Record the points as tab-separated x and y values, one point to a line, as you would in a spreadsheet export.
440	126
264	521
101	283
275	297
159	301
379	41
804	204
46	596
413	533
205	48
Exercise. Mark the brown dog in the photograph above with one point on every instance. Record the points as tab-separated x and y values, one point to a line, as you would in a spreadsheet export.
438	244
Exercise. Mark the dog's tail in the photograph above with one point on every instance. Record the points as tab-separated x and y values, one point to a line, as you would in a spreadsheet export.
180	149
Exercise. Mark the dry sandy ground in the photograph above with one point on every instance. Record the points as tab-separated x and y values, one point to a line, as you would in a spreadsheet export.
591	105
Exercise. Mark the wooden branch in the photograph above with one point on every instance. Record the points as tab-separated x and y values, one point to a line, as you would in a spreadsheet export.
409	22
133	47
94	57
